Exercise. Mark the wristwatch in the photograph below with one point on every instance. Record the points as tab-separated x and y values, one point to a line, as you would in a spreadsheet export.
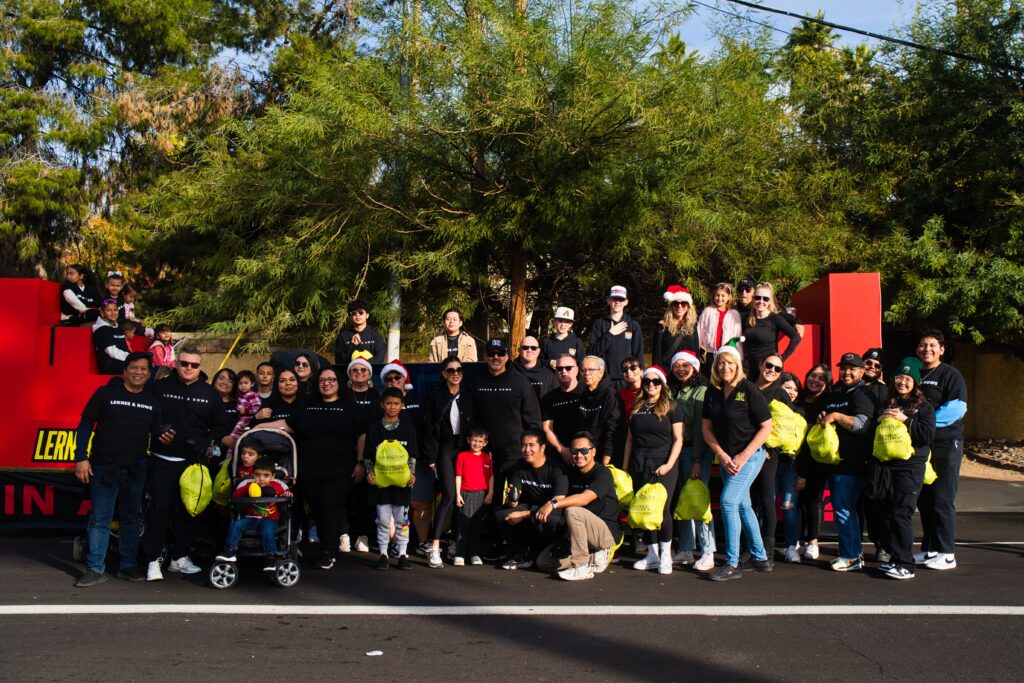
554	503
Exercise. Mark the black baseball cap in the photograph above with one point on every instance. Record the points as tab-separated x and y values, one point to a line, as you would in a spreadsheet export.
851	359
745	283
498	346
874	354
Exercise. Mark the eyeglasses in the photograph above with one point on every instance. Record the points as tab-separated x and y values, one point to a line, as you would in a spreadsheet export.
652	381
580	451
328	380
630	368
589	370
527	347
360	369
187	364
453	371
772	367
765	299
565	368
301	364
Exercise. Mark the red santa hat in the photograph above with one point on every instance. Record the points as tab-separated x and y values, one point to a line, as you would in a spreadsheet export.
396	366
677	293
687	357
657	372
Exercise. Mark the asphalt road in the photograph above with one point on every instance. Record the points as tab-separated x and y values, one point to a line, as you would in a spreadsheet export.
799	622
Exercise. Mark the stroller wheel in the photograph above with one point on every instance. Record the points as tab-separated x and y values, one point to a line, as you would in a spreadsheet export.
78	548
287	573
223	575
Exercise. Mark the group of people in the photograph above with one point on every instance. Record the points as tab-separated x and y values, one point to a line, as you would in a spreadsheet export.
530	454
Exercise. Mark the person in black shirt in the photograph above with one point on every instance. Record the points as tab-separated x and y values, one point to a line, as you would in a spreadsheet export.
735	424
615	336
744	298
359	337
761	330
653	445
563	341
946	391
531	484
79	300
677	331
284	401
591	509
600	409
109	341
121	418
560	410
763	490
850	409
528	364
811	476
874	382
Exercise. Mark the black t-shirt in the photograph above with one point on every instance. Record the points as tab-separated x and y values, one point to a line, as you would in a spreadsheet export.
453	346
563	409
763	339
326	436
553	347
103	337
367	403
121	423
775	392
538	485
606	505
735	420
279	409
378	433
652	438
854	449
940	385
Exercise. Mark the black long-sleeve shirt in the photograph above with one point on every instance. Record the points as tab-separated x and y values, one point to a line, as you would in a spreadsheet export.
665	345
505	405
370	340
616	348
601	415
762	339
121	424
195	411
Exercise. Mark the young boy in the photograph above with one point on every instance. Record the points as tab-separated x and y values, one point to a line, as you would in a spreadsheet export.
563	341
392	501
616	336
359	337
474	488
262	516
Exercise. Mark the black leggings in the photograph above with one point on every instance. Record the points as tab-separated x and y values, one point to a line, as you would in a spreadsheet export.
444	469
810	503
327	498
763	495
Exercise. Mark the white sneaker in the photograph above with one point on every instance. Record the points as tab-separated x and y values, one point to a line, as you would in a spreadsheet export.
665	566
183	565
683	557
811	551
792	555
153	572
601	559
942	562
652	560
924	557
363	544
577	573
345	544
459	561
475	560
434	558
706	562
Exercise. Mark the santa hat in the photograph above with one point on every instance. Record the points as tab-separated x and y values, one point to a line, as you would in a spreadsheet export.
677	293
396	366
731	348
686	357
356	362
657	372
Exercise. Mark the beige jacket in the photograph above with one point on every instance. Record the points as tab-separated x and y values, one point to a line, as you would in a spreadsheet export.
439	348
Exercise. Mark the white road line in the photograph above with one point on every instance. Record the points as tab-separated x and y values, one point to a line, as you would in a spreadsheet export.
523	610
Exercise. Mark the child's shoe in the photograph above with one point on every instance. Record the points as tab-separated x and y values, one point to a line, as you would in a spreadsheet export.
269	564
475	560
459	561
227	555
403	562
382	563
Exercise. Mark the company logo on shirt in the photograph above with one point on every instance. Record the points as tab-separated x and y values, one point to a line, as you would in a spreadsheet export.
741	396
493	389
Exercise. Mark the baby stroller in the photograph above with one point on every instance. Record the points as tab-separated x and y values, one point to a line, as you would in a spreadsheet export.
281	448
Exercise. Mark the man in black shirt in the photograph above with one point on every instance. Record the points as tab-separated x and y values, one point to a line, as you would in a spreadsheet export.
600	409
616	336
744	298
874	382
531	484
591	517
120	417
528	364
560	410
359	337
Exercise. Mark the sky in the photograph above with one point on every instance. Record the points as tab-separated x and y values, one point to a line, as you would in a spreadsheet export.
877	16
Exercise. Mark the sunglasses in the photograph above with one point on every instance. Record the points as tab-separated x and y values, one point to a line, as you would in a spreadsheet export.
772	367
301	364
526	347
453	371
497	354
872	364
630	368
187	364
680	303
580	451
652	381
565	368
765	299
394	378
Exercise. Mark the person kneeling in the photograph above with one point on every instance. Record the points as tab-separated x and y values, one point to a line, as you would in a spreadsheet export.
591	511
261	516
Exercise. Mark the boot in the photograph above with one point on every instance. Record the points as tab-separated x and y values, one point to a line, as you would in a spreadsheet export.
652	560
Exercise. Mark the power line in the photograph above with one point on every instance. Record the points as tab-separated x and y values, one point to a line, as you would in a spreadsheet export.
878	36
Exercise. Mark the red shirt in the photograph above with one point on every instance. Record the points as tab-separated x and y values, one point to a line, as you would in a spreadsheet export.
475	470
628	395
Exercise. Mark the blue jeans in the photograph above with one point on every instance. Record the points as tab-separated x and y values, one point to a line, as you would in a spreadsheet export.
267	528
737	513
705	532
785	485
126	494
845	491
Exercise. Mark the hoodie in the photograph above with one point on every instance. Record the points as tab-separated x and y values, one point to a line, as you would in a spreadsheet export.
540	377
195	412
110	345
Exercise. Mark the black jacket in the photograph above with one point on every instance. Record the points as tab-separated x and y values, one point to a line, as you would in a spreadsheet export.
370	340
437	425
616	348
541	378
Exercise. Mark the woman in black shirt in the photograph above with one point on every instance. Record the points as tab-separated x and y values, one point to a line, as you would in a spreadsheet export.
677	331
284	401
224	382
811	475
736	422
653	445
761	330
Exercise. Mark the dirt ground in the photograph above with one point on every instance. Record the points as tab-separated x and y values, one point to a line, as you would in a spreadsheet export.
975	470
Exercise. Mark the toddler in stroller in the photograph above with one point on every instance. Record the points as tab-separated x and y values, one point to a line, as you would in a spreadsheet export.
259	515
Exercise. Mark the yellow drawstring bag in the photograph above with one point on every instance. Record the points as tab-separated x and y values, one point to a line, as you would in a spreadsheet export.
623	485
892	441
930	475
647	509
222	483
694	502
196	488
823	442
391	465
788	429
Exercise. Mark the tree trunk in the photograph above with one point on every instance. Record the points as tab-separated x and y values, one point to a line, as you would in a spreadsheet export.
517	303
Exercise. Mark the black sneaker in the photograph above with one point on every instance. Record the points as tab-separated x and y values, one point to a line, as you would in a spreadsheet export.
325	562
725	573
761	565
131	574
404	563
382	563
90	578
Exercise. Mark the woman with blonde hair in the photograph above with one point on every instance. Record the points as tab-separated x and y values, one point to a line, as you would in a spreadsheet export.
761	334
677	331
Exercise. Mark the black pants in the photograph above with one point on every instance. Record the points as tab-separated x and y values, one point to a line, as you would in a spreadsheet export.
165	507
937	500
327	497
529	537
906	487
874	517
763	498
445	471
810	502
360	515
470	519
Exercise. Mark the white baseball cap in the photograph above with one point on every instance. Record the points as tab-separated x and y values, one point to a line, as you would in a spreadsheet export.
617	292
565	313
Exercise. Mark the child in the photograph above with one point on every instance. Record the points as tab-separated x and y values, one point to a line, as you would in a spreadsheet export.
474	488
251	452
262	516
129	295
392	501
249	402
79	300
562	341
108	340
114	284
162	347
